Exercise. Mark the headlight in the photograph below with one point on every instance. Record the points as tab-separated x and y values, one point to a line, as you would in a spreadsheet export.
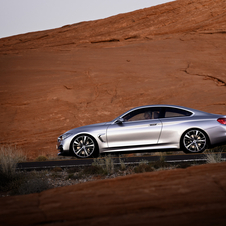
64	136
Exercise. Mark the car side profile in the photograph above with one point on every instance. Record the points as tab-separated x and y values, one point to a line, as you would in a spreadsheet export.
147	128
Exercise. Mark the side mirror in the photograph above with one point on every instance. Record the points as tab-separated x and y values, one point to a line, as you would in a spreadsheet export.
120	121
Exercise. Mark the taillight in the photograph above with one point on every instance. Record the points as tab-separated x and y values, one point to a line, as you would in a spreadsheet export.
222	121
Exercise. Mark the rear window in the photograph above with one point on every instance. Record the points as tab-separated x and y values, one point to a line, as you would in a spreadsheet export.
175	112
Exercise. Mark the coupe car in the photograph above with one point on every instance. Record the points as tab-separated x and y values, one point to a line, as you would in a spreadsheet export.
147	128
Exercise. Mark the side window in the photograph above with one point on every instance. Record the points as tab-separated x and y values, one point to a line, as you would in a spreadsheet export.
135	115
176	112
142	114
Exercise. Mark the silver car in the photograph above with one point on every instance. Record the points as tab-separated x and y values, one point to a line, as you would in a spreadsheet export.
147	128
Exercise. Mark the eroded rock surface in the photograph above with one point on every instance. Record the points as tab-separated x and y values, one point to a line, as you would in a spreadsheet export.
52	81
192	196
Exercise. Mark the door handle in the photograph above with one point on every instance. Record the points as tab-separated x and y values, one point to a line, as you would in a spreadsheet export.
154	124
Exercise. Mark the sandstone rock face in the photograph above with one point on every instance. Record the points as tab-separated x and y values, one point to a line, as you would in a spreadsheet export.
55	80
192	196
52	81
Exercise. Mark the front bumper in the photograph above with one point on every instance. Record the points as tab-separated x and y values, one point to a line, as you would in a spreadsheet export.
64	145
59	147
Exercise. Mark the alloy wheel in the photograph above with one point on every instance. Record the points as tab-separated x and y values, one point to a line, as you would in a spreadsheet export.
83	146
194	141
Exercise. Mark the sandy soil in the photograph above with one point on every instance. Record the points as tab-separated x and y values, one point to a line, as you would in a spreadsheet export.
55	80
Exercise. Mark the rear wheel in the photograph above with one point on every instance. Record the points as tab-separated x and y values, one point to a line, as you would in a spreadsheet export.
194	141
84	146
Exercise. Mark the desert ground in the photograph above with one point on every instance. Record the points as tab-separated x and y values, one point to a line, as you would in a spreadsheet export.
54	80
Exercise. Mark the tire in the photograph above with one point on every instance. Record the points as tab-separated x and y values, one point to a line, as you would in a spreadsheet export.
84	146
194	141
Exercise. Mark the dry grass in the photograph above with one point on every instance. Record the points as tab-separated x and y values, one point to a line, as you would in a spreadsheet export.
107	163
9	157
122	164
16	182
215	155
41	158
144	166
32	182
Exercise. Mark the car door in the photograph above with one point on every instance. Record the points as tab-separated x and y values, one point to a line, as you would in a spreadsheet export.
174	121
137	129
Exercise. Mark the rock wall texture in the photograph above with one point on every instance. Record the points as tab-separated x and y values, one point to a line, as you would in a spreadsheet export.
192	196
52	81
55	80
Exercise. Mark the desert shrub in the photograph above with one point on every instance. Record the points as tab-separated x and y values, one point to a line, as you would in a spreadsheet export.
122	164
74	176
144	166
57	169
74	169
33	185
87	171
10	182
184	165
9	157
143	161
100	166
106	163
32	182
109	164
93	170
22	183
213	157
56	175
18	182
217	149
41	158
160	163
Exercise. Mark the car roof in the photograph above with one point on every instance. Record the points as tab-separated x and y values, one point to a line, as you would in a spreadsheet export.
194	111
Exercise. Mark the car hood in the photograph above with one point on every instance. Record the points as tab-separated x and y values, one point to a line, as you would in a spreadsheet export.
87	128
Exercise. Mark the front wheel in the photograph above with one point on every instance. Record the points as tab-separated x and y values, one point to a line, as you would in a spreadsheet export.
84	146
194	141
